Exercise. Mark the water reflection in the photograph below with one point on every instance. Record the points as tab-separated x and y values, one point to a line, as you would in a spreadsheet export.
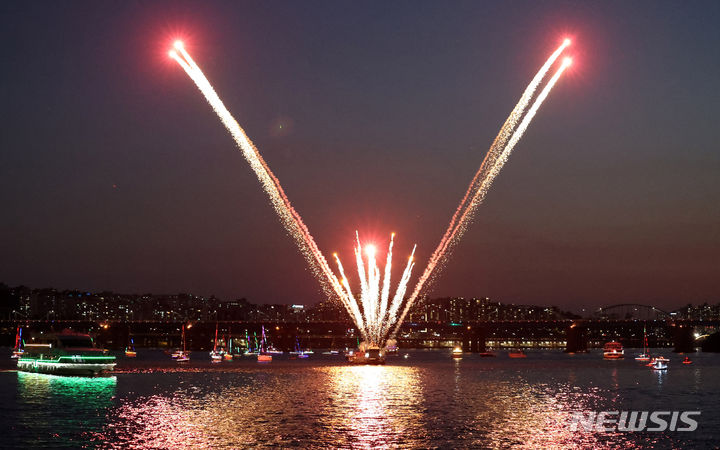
427	402
374	406
358	406
62	410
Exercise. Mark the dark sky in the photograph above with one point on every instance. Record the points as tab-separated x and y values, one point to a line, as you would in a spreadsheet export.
115	174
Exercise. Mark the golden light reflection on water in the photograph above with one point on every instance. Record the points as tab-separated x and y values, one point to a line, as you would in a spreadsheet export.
353	406
422	403
379	405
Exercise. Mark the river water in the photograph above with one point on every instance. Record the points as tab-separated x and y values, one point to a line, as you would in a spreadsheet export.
423	400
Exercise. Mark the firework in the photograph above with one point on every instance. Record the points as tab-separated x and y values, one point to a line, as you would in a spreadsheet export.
290	219
513	128
375	314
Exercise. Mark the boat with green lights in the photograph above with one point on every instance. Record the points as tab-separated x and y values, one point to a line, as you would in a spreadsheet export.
65	353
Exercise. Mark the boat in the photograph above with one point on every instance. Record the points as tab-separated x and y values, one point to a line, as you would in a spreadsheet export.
66	353
457	352
18	348
659	365
391	347
215	355
299	352
263	356
662	359
613	350
487	355
687	360
645	355
249	349
182	355
372	355
130	350
519	353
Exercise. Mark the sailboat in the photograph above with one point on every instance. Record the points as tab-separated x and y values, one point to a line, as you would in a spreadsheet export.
645	355
250	351
227	354
298	351
215	355
263	356
130	349
18	350
182	355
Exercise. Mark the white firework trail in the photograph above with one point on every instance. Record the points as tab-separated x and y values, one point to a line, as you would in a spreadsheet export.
492	164
377	315
290	218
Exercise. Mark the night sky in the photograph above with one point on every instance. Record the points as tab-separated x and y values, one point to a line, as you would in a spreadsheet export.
116	175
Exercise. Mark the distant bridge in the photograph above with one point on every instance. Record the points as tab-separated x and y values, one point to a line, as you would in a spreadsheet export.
631	311
571	334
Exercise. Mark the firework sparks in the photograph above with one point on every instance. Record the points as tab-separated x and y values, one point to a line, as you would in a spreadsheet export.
376	317
289	217
375	314
509	135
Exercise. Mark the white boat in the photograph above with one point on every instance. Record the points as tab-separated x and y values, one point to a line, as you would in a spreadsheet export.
182	355
215	355
645	355
299	352
659	365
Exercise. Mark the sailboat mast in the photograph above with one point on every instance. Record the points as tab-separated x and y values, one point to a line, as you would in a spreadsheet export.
18	337
183	337
262	340
216	331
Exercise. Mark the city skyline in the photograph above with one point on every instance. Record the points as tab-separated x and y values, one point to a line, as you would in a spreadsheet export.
115	176
19	303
